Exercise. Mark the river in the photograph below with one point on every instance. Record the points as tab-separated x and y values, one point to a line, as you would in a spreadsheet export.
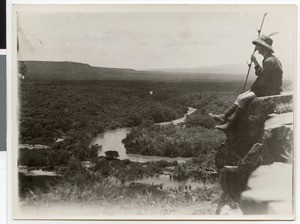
168	183
112	140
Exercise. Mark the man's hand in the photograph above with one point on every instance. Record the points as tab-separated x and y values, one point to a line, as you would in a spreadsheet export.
253	58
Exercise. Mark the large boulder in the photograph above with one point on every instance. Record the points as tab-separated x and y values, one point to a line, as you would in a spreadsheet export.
270	191
263	135
278	139
249	129
270	187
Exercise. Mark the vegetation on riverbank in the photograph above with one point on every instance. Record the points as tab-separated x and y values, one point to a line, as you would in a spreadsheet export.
113	182
172	140
51	158
75	170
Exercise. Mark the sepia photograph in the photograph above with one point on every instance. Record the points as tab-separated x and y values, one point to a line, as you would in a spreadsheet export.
154	111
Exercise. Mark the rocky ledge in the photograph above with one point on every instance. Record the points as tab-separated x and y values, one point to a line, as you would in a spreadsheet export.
256	149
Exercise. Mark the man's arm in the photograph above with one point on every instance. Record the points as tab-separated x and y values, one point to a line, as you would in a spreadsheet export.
270	79
258	68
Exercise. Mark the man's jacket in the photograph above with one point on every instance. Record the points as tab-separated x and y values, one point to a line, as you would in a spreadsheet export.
269	80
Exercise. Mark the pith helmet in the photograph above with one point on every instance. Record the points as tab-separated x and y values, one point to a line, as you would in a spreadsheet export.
265	42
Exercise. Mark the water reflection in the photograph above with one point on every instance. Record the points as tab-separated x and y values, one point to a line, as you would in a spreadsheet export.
169	183
112	140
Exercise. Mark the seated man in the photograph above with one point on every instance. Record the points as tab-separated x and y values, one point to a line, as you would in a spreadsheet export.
268	82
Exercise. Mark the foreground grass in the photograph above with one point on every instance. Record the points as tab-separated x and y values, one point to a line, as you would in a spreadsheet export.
114	184
107	198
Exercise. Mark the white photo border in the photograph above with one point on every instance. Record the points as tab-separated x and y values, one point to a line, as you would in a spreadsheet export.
11	107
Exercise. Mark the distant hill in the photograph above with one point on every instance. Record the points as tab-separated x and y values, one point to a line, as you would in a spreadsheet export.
236	71
72	70
231	69
80	71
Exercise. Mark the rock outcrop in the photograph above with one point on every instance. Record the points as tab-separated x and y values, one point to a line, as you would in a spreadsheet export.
262	136
270	191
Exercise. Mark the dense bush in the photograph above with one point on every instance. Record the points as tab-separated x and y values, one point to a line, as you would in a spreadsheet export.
209	102
172	140
111	154
49	158
78	110
42	157
50	109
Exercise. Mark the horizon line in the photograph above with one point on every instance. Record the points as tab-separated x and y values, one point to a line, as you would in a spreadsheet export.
146	69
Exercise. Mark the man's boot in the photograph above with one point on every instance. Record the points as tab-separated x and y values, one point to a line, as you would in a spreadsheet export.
225	127
222	118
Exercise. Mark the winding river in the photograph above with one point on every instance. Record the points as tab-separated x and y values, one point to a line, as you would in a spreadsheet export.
112	140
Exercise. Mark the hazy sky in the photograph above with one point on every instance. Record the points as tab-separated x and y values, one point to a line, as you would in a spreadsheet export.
154	36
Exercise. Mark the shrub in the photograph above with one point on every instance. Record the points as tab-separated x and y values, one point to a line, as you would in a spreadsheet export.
111	154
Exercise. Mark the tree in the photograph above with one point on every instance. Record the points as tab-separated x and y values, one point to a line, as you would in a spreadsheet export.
22	68
63	157
112	154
